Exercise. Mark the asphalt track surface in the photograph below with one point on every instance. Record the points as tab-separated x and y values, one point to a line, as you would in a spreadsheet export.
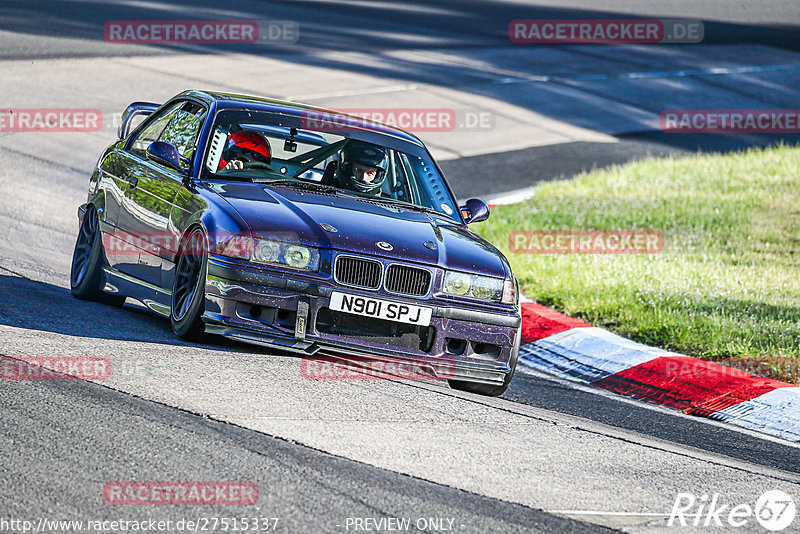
547	457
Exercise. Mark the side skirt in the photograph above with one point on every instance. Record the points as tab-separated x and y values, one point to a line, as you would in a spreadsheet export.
155	298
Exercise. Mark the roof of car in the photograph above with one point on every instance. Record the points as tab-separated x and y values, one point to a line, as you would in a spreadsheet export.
225	100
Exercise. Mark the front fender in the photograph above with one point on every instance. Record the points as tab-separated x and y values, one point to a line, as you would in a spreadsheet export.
98	200
201	207
82	212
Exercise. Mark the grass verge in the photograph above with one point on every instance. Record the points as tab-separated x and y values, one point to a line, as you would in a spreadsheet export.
726	285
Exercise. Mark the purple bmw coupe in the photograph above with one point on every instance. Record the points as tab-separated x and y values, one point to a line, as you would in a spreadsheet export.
297	228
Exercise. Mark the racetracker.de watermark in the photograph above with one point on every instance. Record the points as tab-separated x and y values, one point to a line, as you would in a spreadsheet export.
328	368
605	31
50	120
408	119
181	493
118	243
143	523
586	242
201	31
775	368
730	121
54	368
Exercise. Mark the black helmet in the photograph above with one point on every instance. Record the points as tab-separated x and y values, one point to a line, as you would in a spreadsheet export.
365	154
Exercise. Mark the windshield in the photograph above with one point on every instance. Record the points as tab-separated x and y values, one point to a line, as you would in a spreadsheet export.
277	148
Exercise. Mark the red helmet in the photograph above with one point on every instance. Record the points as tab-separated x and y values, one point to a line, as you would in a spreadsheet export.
248	144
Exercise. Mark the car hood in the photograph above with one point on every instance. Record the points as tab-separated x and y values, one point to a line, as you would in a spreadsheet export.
349	224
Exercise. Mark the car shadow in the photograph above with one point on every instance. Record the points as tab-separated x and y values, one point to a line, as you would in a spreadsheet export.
44	307
34	305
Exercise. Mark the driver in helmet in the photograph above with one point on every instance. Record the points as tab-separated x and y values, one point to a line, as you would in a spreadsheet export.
245	150
362	168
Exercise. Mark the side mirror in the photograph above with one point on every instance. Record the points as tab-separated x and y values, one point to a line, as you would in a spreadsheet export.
134	110
165	154
474	210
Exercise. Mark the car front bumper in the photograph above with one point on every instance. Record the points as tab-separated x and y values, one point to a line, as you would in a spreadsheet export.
232	290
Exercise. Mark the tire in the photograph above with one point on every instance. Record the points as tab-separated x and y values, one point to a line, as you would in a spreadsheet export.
86	277
491	390
188	289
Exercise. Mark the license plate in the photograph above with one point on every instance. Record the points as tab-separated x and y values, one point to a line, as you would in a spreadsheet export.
381	309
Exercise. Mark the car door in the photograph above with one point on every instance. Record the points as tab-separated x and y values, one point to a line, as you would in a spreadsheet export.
151	190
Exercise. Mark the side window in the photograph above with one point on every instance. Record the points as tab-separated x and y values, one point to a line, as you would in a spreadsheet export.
153	130
178	125
183	128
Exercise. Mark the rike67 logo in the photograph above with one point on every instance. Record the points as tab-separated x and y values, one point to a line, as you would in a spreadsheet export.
774	510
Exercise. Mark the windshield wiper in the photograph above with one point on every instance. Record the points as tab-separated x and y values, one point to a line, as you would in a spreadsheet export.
402	204
322	188
299	184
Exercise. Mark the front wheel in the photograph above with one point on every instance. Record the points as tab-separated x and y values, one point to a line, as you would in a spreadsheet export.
188	290
87	278
491	390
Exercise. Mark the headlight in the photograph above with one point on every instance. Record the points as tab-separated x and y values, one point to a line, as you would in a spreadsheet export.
271	252
234	246
456	283
487	288
479	287
267	251
294	256
298	257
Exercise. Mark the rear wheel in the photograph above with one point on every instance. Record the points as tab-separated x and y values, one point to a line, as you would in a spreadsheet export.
491	390
87	278
188	290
